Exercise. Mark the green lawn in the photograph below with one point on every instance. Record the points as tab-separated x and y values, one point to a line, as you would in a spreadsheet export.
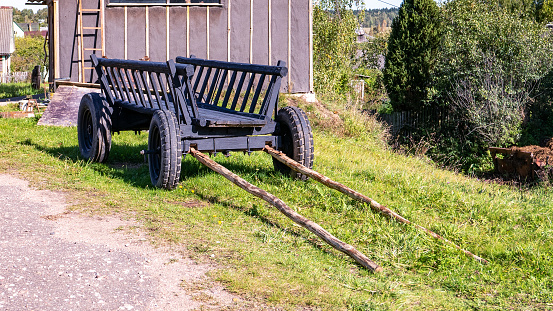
264	256
9	90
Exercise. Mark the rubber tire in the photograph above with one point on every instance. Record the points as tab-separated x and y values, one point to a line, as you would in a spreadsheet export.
164	135
94	128
296	140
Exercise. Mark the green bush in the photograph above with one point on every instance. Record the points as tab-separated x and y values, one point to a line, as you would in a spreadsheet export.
490	61
488	71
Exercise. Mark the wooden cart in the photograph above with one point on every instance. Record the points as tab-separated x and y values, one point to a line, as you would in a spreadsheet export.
211	106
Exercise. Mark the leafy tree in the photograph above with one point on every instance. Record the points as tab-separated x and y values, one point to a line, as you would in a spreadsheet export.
29	52
412	48
28	16
333	45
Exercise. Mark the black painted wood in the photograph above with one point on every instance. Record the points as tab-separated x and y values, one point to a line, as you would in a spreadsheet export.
257	93
230	88
257	69
220	100
238	90
220	88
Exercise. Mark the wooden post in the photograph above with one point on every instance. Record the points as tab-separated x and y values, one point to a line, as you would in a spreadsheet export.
207	31
80	43
358	196
290	213
269	28
289	63
147	32
103	27
187	31
167	36
126	36
251	31
228	30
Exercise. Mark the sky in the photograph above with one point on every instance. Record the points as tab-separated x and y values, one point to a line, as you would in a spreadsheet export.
379	4
20	4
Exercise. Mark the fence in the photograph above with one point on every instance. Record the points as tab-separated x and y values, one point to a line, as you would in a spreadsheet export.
409	122
14	77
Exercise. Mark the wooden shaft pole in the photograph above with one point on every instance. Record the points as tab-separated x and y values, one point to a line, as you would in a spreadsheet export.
359	197
290	213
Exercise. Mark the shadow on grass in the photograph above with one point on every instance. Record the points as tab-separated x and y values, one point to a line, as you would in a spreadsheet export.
254	212
126	163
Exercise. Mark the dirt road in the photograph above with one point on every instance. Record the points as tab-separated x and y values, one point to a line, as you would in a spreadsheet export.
52	259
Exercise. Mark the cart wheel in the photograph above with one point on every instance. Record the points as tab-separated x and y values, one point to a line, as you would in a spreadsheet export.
296	140
94	128
165	146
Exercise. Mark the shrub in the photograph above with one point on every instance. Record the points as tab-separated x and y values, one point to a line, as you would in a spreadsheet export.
490	61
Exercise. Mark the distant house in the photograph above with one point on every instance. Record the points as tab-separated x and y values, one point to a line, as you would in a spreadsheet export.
7	44
18	32
29	26
246	31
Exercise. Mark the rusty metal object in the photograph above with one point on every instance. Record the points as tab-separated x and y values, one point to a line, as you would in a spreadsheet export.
516	162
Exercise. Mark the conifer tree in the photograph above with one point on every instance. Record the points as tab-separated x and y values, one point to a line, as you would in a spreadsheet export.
412	49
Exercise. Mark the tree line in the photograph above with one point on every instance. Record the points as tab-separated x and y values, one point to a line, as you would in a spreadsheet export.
28	16
376	18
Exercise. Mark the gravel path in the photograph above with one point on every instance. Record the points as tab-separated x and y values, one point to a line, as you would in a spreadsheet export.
51	259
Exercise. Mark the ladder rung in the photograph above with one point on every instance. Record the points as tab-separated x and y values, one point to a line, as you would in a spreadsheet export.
85	68
92	49
92	27
90	10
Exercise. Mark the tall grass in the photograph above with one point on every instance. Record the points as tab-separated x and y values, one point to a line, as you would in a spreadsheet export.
8	90
265	257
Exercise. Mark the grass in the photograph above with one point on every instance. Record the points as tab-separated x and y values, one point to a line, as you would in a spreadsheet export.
264	256
8	90
9	107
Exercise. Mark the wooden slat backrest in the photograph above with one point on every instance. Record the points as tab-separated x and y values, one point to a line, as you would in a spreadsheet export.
252	93
141	83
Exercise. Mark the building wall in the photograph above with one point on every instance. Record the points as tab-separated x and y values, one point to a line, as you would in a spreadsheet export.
280	30
5	62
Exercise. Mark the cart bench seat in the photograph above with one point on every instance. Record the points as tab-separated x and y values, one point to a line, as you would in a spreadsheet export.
232	94
217	116
222	117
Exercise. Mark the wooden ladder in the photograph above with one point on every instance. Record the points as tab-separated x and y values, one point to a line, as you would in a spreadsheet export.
90	31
